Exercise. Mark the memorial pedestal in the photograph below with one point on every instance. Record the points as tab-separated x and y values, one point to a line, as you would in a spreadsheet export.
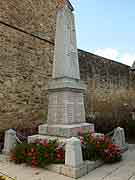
66	113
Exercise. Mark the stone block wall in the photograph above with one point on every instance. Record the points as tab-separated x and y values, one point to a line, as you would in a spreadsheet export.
110	95
27	30
33	16
25	66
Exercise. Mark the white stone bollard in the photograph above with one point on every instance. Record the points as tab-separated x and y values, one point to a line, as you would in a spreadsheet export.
119	138
9	141
73	157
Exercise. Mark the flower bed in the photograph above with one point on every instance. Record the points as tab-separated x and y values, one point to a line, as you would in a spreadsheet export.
38	154
44	152
99	148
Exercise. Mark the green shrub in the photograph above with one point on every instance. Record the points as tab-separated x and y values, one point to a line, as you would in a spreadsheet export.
38	154
111	154
100	147
44	152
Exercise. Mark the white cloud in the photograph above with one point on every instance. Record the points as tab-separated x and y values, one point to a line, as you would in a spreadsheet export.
107	53
128	59
113	54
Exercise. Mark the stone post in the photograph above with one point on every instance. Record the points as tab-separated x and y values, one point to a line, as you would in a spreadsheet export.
119	138
9	141
133	115
73	157
74	165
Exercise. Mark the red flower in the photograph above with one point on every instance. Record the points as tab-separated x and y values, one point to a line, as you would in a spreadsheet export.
112	153
82	140
111	146
46	145
33	158
29	154
97	145
41	141
13	157
34	163
60	154
91	137
32	149
46	155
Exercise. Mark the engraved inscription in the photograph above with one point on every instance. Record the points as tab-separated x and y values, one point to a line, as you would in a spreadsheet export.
55	99
72	55
70	113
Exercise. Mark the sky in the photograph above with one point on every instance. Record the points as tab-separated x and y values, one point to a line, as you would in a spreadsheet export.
106	28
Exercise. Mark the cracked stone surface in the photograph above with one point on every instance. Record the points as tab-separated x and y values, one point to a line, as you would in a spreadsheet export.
125	170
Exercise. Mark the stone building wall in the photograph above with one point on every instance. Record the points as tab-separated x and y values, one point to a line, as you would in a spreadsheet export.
110	95
106	73
25	66
36	17
27	30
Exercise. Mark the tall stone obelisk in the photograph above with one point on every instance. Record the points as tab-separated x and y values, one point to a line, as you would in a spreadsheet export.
66	113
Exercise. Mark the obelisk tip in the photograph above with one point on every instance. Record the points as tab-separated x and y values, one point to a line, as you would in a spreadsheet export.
62	3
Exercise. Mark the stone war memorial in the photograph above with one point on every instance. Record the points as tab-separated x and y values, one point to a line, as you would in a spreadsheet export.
66	113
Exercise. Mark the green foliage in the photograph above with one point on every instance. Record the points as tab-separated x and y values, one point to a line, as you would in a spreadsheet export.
100	147
19	153
89	149
44	152
111	154
110	108
38	154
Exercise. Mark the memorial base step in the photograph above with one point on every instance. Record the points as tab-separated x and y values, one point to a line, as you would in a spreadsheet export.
34	138
66	131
